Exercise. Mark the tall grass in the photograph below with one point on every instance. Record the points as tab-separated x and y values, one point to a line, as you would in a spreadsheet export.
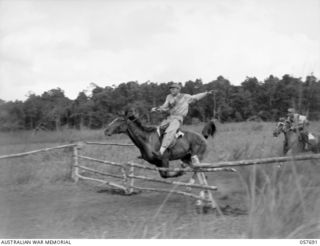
282	202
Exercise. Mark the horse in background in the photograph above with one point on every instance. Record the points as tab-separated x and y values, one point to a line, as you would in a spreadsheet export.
189	148
293	142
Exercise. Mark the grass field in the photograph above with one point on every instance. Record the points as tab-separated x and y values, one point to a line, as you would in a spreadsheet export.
279	202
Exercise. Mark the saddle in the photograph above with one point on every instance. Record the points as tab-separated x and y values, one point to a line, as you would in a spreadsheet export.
312	140
161	130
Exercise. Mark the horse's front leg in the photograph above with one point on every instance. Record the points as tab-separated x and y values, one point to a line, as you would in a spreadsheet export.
168	174
285	147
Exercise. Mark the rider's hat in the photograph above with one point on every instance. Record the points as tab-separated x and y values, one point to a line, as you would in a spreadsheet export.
291	110
175	85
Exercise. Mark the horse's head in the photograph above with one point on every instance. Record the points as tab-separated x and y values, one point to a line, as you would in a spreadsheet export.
209	129
282	126
120	124
117	126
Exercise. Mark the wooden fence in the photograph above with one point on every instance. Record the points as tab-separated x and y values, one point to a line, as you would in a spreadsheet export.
127	176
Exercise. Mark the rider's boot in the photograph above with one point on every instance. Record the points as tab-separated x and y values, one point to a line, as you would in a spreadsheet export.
159	154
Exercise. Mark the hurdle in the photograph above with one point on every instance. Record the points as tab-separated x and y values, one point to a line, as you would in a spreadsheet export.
127	175
127	184
127	179
205	197
37	151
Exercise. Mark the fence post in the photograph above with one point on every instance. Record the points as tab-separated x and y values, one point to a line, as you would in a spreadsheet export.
208	193
75	163
127	171
209	201
131	179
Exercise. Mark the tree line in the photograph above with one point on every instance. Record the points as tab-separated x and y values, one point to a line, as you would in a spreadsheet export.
251	100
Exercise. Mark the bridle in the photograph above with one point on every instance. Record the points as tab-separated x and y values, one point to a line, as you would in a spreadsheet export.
285	126
113	121
126	118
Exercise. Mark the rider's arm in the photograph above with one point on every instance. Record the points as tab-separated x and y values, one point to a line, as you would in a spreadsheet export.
303	121
165	106
198	97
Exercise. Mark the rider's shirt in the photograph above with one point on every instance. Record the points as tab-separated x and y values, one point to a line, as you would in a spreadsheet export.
178	106
299	121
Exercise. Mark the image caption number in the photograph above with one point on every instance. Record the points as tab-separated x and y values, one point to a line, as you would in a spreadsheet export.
309	241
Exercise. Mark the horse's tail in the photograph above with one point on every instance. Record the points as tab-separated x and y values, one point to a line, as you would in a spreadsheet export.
209	129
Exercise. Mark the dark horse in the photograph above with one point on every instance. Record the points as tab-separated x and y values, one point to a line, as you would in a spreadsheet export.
190	148
292	141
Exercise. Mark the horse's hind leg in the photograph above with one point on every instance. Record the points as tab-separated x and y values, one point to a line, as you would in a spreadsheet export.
197	153
285	148
195	162
187	162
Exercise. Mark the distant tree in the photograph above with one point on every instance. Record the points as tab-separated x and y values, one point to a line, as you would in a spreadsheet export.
266	100
311	97
11	116
55	108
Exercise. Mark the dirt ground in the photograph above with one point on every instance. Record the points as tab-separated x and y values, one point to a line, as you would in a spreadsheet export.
68	210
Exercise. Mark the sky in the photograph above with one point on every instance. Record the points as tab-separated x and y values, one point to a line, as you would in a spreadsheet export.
70	44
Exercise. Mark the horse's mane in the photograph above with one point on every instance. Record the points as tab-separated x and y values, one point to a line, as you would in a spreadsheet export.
143	127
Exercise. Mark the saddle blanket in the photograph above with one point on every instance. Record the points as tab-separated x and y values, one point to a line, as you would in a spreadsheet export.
311	137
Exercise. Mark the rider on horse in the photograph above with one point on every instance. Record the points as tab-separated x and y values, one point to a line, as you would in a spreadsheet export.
177	104
300	124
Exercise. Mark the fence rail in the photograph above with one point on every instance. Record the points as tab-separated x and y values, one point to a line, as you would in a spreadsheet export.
110	163
197	186
100	172
270	160
36	151
111	144
187	194
128	176
187	169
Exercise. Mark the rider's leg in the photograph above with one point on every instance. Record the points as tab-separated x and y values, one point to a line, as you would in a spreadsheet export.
285	147
169	135
306	133
304	138
164	122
